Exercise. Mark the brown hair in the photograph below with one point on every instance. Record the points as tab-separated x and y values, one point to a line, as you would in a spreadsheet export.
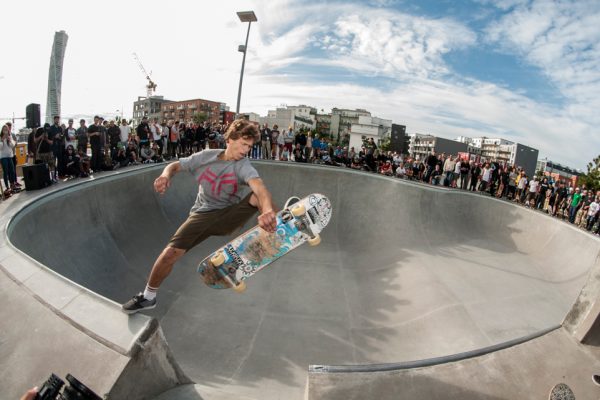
241	128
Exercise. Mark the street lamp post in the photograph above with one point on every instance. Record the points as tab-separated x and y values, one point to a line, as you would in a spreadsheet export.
249	17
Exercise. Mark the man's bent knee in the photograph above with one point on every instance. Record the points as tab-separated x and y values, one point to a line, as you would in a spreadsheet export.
172	254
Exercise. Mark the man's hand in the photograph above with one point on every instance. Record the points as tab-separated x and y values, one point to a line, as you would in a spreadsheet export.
268	221
30	394
161	184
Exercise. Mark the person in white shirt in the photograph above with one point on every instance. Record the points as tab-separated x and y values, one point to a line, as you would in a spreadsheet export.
592	214
155	130
401	171
457	167
125	132
533	189
71	135
486	175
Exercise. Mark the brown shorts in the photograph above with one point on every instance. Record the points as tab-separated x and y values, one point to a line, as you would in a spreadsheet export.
199	226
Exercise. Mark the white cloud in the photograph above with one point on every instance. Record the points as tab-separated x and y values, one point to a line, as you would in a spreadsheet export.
562	39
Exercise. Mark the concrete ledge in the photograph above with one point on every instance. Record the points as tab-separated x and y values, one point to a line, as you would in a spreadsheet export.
51	324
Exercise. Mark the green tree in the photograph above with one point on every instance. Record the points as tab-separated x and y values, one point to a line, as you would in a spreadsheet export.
385	144
591	179
199	117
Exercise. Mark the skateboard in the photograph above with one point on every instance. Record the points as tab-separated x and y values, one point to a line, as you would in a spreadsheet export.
561	391
300	221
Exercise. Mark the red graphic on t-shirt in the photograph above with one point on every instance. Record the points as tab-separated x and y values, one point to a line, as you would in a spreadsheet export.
217	183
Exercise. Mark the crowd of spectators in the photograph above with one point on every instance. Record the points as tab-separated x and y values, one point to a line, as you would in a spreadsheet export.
71	151
115	144
574	204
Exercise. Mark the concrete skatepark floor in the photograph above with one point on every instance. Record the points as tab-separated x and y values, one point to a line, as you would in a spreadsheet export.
404	272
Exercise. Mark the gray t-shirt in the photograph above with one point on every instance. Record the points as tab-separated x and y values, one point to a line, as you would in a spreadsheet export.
221	183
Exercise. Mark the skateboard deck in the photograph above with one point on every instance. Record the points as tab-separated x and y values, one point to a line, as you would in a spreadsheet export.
300	222
561	391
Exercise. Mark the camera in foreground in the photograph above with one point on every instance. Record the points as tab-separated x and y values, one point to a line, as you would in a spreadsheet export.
51	390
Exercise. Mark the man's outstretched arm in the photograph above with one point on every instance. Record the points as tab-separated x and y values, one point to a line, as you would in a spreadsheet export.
163	182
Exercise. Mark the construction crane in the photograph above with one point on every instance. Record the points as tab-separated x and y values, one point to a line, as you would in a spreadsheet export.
151	86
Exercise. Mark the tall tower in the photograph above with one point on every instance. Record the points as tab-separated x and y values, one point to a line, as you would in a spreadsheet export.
55	75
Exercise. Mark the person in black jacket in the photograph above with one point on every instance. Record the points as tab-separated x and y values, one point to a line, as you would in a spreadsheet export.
114	138
430	163
96	144
475	172
143	132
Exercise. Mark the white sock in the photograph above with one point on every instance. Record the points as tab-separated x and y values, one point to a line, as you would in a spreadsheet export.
150	293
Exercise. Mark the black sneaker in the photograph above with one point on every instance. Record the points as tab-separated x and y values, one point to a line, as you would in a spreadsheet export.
138	303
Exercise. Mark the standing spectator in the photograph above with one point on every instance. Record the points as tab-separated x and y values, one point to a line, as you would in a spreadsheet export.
56	135
166	133
31	147
574	206
475	173
174	140
143	132
275	142
562	195
95	144
457	166
430	163
464	174
124	133
103	135
532	193
449	166
7	152
14	140
288	140
592	214
521	187
114	138
512	184
308	147
82	137
265	142
486	176
543	190
70	135
44	148
155	130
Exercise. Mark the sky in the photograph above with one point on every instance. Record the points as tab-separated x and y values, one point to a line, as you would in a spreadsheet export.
523	70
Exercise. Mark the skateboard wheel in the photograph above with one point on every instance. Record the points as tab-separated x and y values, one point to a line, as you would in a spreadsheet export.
298	211
314	241
218	259
240	287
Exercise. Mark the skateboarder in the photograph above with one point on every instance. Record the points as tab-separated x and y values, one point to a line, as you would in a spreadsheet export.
230	192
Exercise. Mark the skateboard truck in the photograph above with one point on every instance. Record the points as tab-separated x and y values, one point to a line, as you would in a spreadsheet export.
219	259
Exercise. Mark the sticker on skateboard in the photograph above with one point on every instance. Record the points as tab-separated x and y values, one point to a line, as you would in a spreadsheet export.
300	221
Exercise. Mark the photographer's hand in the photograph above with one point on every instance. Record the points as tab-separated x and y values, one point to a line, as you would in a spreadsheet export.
30	394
